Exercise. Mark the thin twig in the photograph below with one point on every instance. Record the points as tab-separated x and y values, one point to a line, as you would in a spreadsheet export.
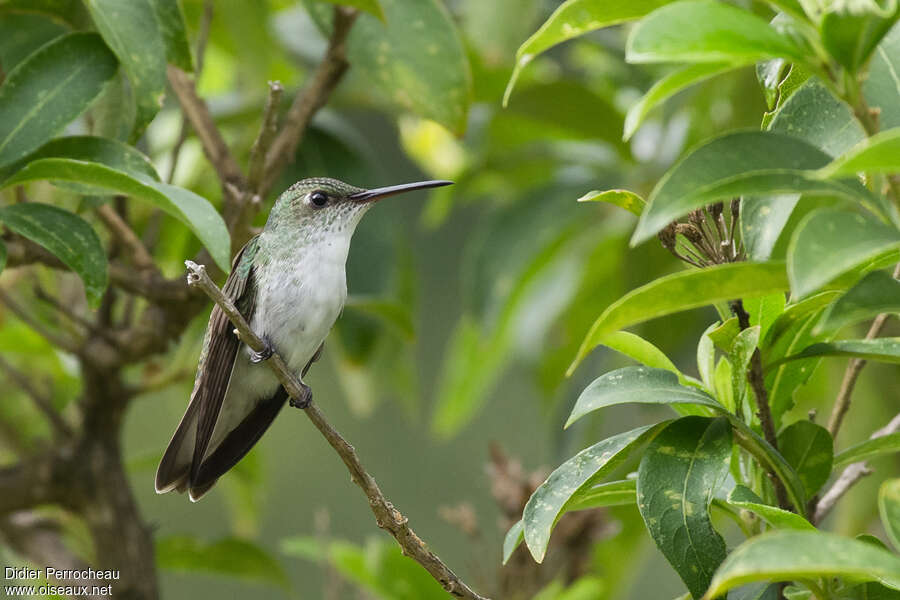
264	139
325	78
199	56
850	475
851	374
126	236
41	401
197	112
757	381
64	343
70	313
386	516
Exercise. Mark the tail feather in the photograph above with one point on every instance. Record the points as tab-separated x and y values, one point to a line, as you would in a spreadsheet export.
174	468
236	444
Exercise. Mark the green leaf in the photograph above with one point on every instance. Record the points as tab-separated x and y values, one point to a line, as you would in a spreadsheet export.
572	19
723	380
814	114
22	34
667	87
3	255
765	310
621	198
706	357
67	236
613	493
49	89
851	31
832	241
786	555
171	26
762	220
656	386
770	74
130	30
736	164
886	444
230	557
877	154
393	314
112	153
636	347
882	86
683	291
514	537
373	7
741	352
723	335
744	498
639	385
422	69
808	448
889	509
707	31
876	293
470	370
679	474
789	334
880	349
186	206
582	470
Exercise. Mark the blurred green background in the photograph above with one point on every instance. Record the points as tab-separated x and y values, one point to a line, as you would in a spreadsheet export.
487	288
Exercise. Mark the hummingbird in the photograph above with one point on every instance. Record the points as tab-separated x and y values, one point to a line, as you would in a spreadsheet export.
290	283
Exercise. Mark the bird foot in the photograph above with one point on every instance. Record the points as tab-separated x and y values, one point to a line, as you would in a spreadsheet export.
304	400
265	354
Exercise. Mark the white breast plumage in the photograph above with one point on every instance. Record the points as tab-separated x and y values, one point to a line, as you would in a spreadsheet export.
300	295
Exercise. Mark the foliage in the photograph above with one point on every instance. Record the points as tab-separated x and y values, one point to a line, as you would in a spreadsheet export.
833	268
758	141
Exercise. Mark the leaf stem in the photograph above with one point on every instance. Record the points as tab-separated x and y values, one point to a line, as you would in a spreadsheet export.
764	412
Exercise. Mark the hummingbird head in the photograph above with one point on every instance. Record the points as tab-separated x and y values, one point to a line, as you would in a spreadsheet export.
323	204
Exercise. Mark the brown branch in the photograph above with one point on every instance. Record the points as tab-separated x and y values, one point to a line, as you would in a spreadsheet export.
850	476
851	374
125	235
39	479
260	148
202	38
40	540
43	403
386	516
757	381
324	79
197	112
64	343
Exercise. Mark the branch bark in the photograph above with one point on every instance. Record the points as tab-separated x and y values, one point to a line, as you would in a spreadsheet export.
197	112
850	476
386	516
851	374
325	78
43	403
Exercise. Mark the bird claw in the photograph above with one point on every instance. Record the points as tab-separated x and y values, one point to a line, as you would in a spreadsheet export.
265	354
305	400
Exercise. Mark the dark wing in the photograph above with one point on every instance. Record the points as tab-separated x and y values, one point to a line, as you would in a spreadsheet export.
184	454
241	439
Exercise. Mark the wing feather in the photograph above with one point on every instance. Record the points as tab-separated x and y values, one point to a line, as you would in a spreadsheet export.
181	462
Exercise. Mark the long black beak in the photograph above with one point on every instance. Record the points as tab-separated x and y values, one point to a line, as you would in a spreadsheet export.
392	190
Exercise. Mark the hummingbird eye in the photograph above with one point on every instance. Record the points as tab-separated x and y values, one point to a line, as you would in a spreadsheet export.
319	199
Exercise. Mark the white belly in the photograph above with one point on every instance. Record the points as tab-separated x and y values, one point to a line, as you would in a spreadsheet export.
297	303
296	309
